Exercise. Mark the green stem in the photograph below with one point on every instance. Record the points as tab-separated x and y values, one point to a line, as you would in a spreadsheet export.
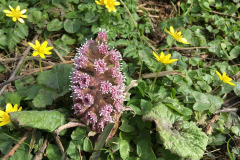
134	22
40	63
160	68
212	92
229	153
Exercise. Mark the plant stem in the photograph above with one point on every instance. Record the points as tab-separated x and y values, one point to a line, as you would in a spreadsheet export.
160	68
40	63
134	22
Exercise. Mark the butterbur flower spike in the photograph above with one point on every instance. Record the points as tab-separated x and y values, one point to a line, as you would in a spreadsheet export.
97	83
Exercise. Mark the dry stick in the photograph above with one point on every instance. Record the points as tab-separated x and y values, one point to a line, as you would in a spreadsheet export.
58	54
41	150
224	14
185	48
29	73
19	64
161	74
226	110
57	131
12	151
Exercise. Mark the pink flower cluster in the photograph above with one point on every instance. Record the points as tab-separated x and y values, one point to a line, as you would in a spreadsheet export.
97	83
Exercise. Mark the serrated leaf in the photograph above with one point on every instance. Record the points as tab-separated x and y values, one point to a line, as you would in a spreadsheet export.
45	120
23	28
54	83
54	25
72	26
180	137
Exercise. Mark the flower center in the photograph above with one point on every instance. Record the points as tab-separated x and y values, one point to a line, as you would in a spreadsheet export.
16	14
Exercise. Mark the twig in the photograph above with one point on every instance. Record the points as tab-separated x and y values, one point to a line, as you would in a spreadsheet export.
223	14
208	129
185	48
30	73
161	74
65	126
19	63
41	150
58	54
12	151
226	110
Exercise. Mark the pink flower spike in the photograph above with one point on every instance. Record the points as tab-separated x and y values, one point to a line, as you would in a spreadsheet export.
105	87
91	117
102	36
106	110
87	99
100	66
80	61
114	72
103	49
84	80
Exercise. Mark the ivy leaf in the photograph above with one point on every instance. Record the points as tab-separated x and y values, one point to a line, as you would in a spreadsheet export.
55	25
72	26
87	145
54	83
45	120
184	139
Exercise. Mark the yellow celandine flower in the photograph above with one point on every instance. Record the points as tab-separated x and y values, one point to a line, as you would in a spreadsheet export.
164	59
40	49
4	117
17	14
225	78
109	4
176	35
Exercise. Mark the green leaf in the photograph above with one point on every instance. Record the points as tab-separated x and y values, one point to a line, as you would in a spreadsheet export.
68	39
3	38
73	151
175	105
12	39
234	53
124	149
13	98
90	17
22	153
53	152
62	47
72	26
235	130
72	15
180	137
54	25
237	88
45	120
54	83
87	145
145	151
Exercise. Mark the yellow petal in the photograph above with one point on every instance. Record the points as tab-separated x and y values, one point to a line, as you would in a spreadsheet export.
162	55
20	109
11	8
117	3
168	56
219	75
44	44
35	54
15	108
172	60
184	40
37	43
23	11
2	113
9	108
232	84
32	45
4	123
171	29
23	16
21	20
167	31
42	55
155	55
9	15
18	8
7	11
48	53
14	19
48	48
